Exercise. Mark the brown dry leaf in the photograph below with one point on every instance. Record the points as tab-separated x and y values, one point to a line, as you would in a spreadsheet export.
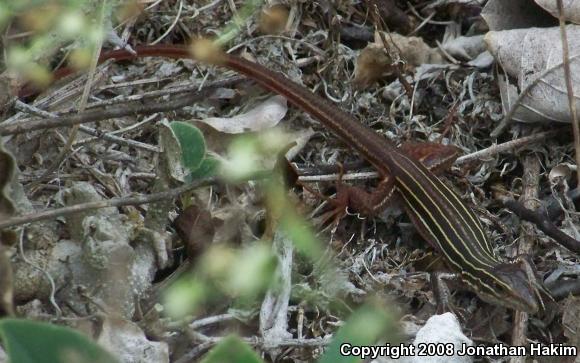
196	229
526	55
374	62
264	116
273	19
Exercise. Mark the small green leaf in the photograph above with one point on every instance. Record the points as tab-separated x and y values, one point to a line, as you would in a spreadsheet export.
232	350
364	327
35	342
209	167
192	144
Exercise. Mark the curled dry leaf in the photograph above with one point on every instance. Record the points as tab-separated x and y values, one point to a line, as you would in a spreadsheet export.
534	58
266	115
559	172
301	138
571	9
465	47
375	62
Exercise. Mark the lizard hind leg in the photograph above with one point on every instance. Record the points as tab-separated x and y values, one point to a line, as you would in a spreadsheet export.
357	201
337	206
436	157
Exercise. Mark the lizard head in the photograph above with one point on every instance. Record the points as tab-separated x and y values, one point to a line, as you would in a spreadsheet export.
512	286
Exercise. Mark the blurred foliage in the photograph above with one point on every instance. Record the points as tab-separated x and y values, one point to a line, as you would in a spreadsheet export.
232	350
370	324
231	31
50	25
248	155
35	342
240	274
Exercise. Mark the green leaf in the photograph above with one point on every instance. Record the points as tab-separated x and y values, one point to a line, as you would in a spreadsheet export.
364	327
232	350
192	144
209	167
28	341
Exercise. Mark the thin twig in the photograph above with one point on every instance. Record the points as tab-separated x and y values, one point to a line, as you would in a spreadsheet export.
541	219
51	297
173	24
481	154
211	320
506	146
21	106
133	108
84	98
392	50
113	202
531	179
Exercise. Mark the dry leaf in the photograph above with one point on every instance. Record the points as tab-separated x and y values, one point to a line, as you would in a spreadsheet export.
515	14
465	47
264	116
196	229
273	19
560	172
301	138
571	9
374	62
526	54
